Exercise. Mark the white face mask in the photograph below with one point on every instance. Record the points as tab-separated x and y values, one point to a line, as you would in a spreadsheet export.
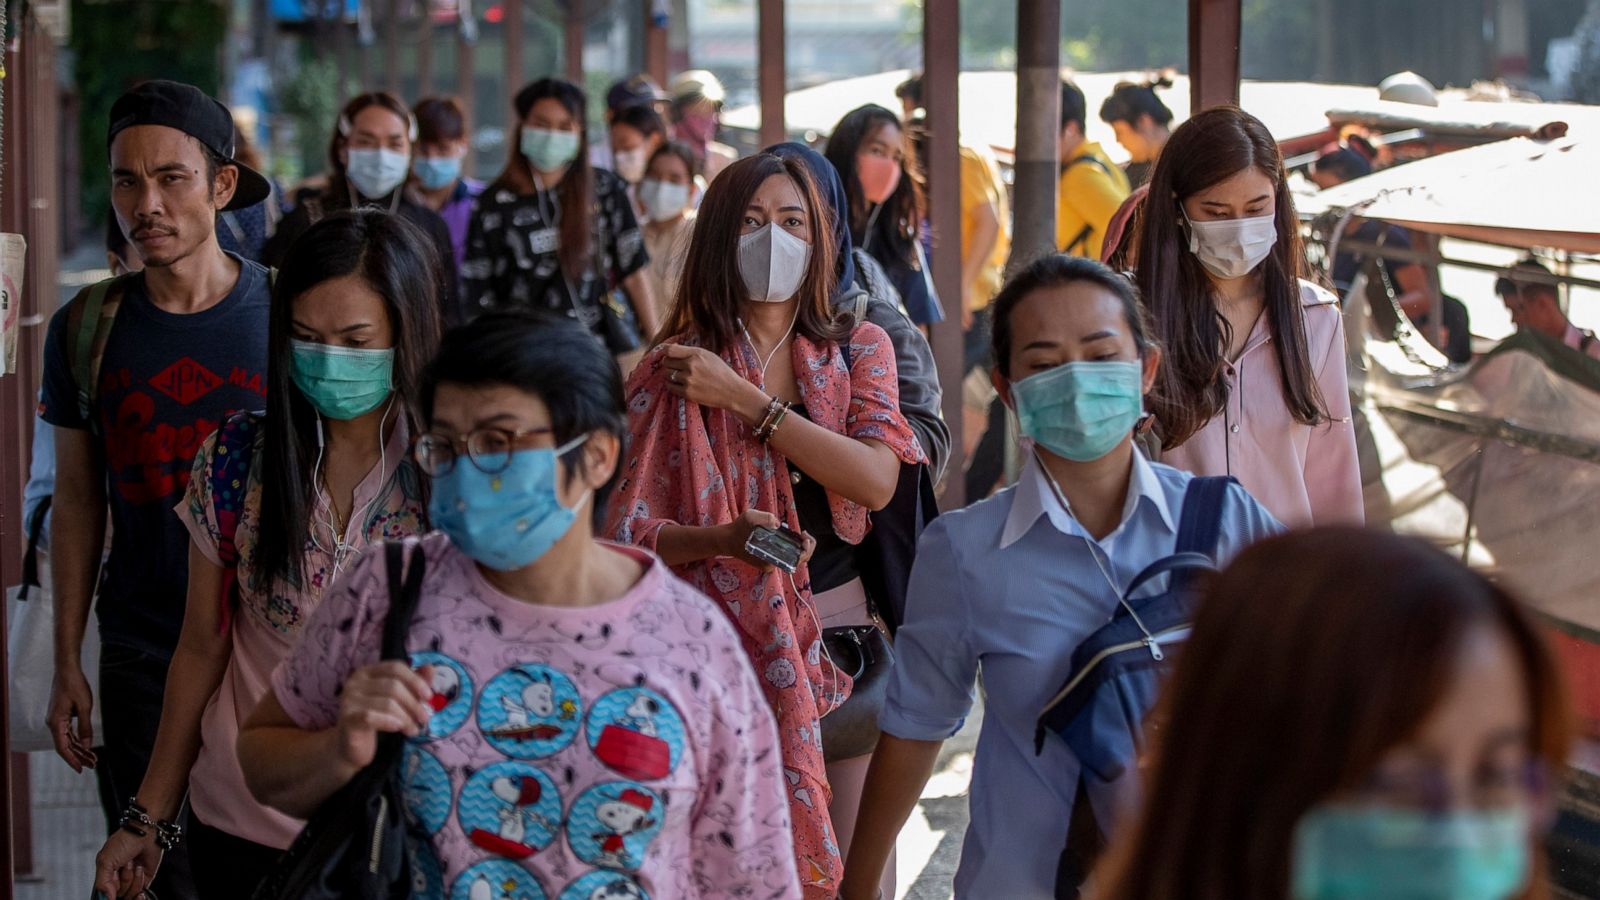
662	200
1232	248
772	263
376	173
630	164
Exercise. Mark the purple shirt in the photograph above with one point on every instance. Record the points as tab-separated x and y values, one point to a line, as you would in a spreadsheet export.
457	214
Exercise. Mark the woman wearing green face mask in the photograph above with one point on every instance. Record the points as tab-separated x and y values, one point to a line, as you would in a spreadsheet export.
1011	585
554	234
1356	715
353	323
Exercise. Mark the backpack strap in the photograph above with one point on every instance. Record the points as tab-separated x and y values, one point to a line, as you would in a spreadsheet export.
1083	234
1586	341
89	322
228	480
1200	523
403	596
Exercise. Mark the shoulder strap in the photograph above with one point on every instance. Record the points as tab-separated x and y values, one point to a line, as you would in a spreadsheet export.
1087	230
90	320
1078	241
1200	523
30	562
403	597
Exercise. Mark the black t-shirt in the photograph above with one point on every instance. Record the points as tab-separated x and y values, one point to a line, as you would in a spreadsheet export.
513	244
833	563
166	382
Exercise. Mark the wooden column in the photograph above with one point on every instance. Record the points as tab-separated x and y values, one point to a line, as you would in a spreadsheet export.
1038	130
425	54
511	31
655	45
941	63
1213	53
466	90
574	40
390	11
772	70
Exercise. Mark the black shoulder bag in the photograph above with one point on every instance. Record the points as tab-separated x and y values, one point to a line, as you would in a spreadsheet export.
354	847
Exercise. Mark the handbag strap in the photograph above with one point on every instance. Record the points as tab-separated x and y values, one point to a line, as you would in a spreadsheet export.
1200	523
403	597
30	562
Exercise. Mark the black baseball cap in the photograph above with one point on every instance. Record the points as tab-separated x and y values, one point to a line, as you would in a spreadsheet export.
640	90
192	111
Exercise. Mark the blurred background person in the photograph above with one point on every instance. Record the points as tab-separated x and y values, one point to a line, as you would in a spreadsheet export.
369	161
636	134
443	142
1529	293
1394	732
635	90
553	234
1141	122
668	196
1091	187
696	113
887	208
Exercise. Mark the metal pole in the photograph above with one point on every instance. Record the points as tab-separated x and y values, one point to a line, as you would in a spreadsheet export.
941	63
511	34
772	70
574	42
1038	130
465	89
655	44
1213	53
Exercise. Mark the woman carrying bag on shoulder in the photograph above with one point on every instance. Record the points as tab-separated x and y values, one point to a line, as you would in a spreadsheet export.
279	505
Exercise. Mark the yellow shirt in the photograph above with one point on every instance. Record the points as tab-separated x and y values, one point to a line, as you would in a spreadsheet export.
1089	196
981	185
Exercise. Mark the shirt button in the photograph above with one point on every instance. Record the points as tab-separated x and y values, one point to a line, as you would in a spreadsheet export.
794	477
1234	429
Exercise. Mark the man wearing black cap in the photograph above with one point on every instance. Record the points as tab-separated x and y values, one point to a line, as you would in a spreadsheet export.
138	372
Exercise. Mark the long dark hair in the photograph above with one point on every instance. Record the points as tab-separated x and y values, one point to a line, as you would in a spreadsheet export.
1210	148
1355	637
899	223
710	290
338	193
575	194
1059	270
553	358
396	260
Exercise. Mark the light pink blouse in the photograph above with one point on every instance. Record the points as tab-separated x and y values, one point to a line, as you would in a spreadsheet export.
1304	475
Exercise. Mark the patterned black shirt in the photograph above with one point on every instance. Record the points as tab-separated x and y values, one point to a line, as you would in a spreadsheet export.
511	259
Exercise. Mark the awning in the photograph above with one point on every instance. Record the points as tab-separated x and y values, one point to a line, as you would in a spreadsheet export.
1519	192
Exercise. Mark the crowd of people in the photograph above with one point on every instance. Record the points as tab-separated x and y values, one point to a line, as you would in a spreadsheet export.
607	486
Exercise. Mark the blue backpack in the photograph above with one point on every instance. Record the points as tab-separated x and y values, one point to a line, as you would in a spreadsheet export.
1117	673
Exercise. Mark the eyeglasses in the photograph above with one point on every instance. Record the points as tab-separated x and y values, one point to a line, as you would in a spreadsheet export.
489	449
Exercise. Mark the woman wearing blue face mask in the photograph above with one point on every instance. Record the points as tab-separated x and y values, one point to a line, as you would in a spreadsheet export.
1356	716
581	722
369	159
443	144
1010	586
554	234
279	504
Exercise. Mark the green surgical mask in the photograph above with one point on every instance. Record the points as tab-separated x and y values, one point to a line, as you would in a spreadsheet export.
1391	853
1081	410
549	150
342	382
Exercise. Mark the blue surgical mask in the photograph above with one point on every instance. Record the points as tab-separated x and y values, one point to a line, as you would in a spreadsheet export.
342	382
376	173
1081	410
549	150
436	172
507	520
1391	853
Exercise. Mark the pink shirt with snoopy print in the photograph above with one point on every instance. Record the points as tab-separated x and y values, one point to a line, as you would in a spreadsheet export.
621	751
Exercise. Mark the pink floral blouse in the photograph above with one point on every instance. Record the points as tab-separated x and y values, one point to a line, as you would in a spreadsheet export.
690	465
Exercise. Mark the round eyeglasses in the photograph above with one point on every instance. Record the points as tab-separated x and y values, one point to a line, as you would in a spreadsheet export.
489	449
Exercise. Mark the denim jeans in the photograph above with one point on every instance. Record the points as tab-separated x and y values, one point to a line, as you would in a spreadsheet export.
132	685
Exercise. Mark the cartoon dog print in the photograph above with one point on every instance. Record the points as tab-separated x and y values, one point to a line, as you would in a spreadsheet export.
640	716
627	815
